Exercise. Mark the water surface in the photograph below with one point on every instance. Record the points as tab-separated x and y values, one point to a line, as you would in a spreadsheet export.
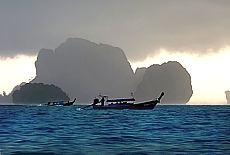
179	129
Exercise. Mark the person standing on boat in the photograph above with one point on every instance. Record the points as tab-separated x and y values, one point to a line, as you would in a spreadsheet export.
102	101
95	101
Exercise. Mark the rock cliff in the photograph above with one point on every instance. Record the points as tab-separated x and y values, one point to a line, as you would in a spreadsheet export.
85	69
170	77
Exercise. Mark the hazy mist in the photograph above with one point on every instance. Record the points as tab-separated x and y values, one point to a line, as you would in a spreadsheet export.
140	28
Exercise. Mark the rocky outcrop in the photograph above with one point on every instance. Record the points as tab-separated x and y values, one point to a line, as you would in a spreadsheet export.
38	93
85	69
170	77
7	99
228	96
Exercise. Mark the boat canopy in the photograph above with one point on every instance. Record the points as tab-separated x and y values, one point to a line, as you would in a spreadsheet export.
121	100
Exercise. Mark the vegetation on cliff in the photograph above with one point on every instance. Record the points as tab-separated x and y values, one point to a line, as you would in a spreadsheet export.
38	93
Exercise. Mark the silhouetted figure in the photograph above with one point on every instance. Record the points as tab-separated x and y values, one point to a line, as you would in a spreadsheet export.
49	103
102	101
95	101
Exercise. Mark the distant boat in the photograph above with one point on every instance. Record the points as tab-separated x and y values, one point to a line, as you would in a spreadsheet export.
61	103
125	103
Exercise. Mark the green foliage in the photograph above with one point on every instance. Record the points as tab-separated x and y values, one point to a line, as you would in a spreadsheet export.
38	93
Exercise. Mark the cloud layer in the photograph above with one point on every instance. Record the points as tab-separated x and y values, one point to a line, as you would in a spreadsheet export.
140	28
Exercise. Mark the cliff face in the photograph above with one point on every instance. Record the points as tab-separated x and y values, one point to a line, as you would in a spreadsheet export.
85	69
228	96
169	77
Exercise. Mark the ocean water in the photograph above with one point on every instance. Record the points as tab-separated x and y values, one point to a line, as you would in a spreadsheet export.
51	130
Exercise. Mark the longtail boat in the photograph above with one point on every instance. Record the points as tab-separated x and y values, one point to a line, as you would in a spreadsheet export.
124	103
61	103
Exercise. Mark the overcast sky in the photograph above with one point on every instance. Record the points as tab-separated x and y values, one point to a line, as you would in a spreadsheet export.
139	27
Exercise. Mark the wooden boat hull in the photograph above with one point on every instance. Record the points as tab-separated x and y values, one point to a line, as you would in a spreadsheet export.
61	103
149	105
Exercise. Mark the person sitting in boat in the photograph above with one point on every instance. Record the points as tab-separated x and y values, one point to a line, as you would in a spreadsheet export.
102	101
49	103
95	101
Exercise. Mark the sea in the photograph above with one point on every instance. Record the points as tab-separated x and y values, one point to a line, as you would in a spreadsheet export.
69	130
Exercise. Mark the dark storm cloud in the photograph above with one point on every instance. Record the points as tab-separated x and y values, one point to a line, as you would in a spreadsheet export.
138	27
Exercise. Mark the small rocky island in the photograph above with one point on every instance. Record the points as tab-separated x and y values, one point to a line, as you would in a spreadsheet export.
38	93
227	96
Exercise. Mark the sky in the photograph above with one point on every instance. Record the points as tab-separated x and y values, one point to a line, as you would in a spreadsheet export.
193	32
